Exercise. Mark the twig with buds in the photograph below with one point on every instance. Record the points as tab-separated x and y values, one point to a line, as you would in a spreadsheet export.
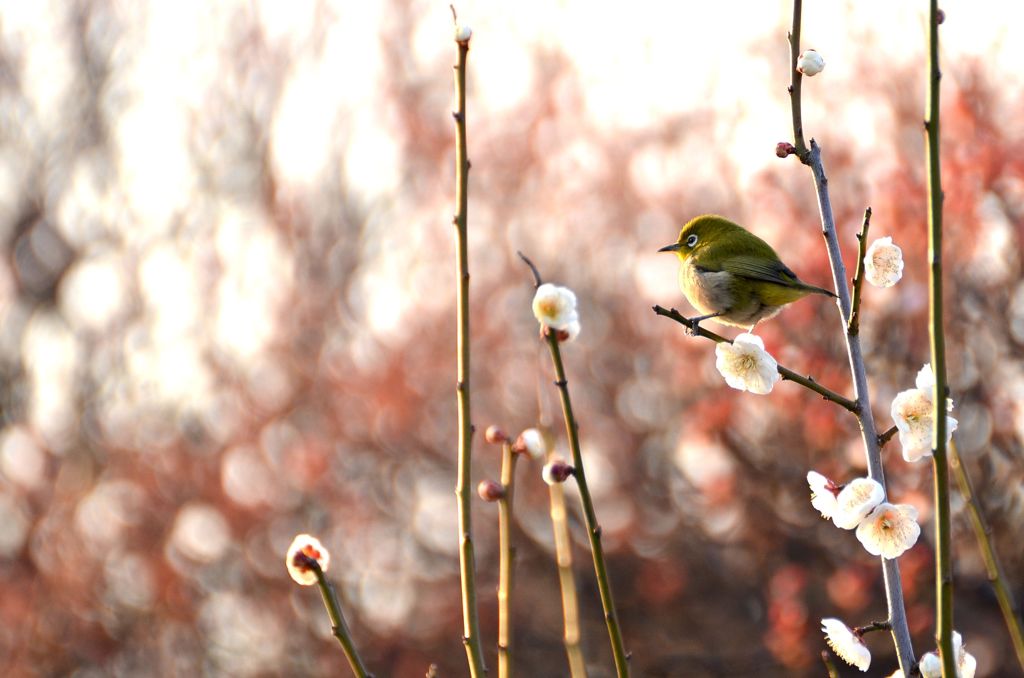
853	327
869	433
795	80
589	514
785	372
467	561
304	557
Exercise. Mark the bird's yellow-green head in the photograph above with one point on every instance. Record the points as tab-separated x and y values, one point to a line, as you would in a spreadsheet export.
708	238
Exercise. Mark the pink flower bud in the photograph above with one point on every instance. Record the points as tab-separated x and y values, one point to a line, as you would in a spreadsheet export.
304	555
490	490
810	63
494	435
784	148
556	472
530	442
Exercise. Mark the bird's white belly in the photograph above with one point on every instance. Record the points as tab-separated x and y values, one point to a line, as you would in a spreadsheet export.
708	291
713	292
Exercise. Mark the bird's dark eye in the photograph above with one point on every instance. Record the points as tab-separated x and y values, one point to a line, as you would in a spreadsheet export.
692	240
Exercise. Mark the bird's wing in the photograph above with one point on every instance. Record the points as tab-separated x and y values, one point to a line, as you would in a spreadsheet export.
760	268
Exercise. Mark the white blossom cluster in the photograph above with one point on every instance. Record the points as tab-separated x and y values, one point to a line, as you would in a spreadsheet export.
884	529
930	665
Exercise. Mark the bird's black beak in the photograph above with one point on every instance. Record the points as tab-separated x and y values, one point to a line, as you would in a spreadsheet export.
674	247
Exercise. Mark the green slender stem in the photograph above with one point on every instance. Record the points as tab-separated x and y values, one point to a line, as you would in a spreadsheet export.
787	374
566	580
795	80
943	564
830	667
506	559
994	569
467	561
858	277
560	525
338	626
589	515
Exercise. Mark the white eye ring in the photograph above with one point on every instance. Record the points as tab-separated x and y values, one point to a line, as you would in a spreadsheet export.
692	240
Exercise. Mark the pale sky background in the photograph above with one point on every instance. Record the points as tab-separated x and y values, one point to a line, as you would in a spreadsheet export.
636	65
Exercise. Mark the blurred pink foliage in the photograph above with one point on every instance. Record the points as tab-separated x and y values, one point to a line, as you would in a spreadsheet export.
181	396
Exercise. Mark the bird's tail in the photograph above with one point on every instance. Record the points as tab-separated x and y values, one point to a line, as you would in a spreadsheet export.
819	290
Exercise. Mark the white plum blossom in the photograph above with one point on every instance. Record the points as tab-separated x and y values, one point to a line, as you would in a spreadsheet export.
746	365
912	411
810	63
555	307
532	442
884	529
855	501
303	549
883	263
823	494
889	530
846	643
913	415
930	665
966	664
463	33
572	330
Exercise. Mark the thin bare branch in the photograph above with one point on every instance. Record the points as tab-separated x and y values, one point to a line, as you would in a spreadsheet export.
787	374
858	277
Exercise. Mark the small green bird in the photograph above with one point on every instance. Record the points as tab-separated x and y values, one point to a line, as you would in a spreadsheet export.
729	274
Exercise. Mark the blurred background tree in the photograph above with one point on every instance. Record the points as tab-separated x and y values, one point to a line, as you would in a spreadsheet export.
226	316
